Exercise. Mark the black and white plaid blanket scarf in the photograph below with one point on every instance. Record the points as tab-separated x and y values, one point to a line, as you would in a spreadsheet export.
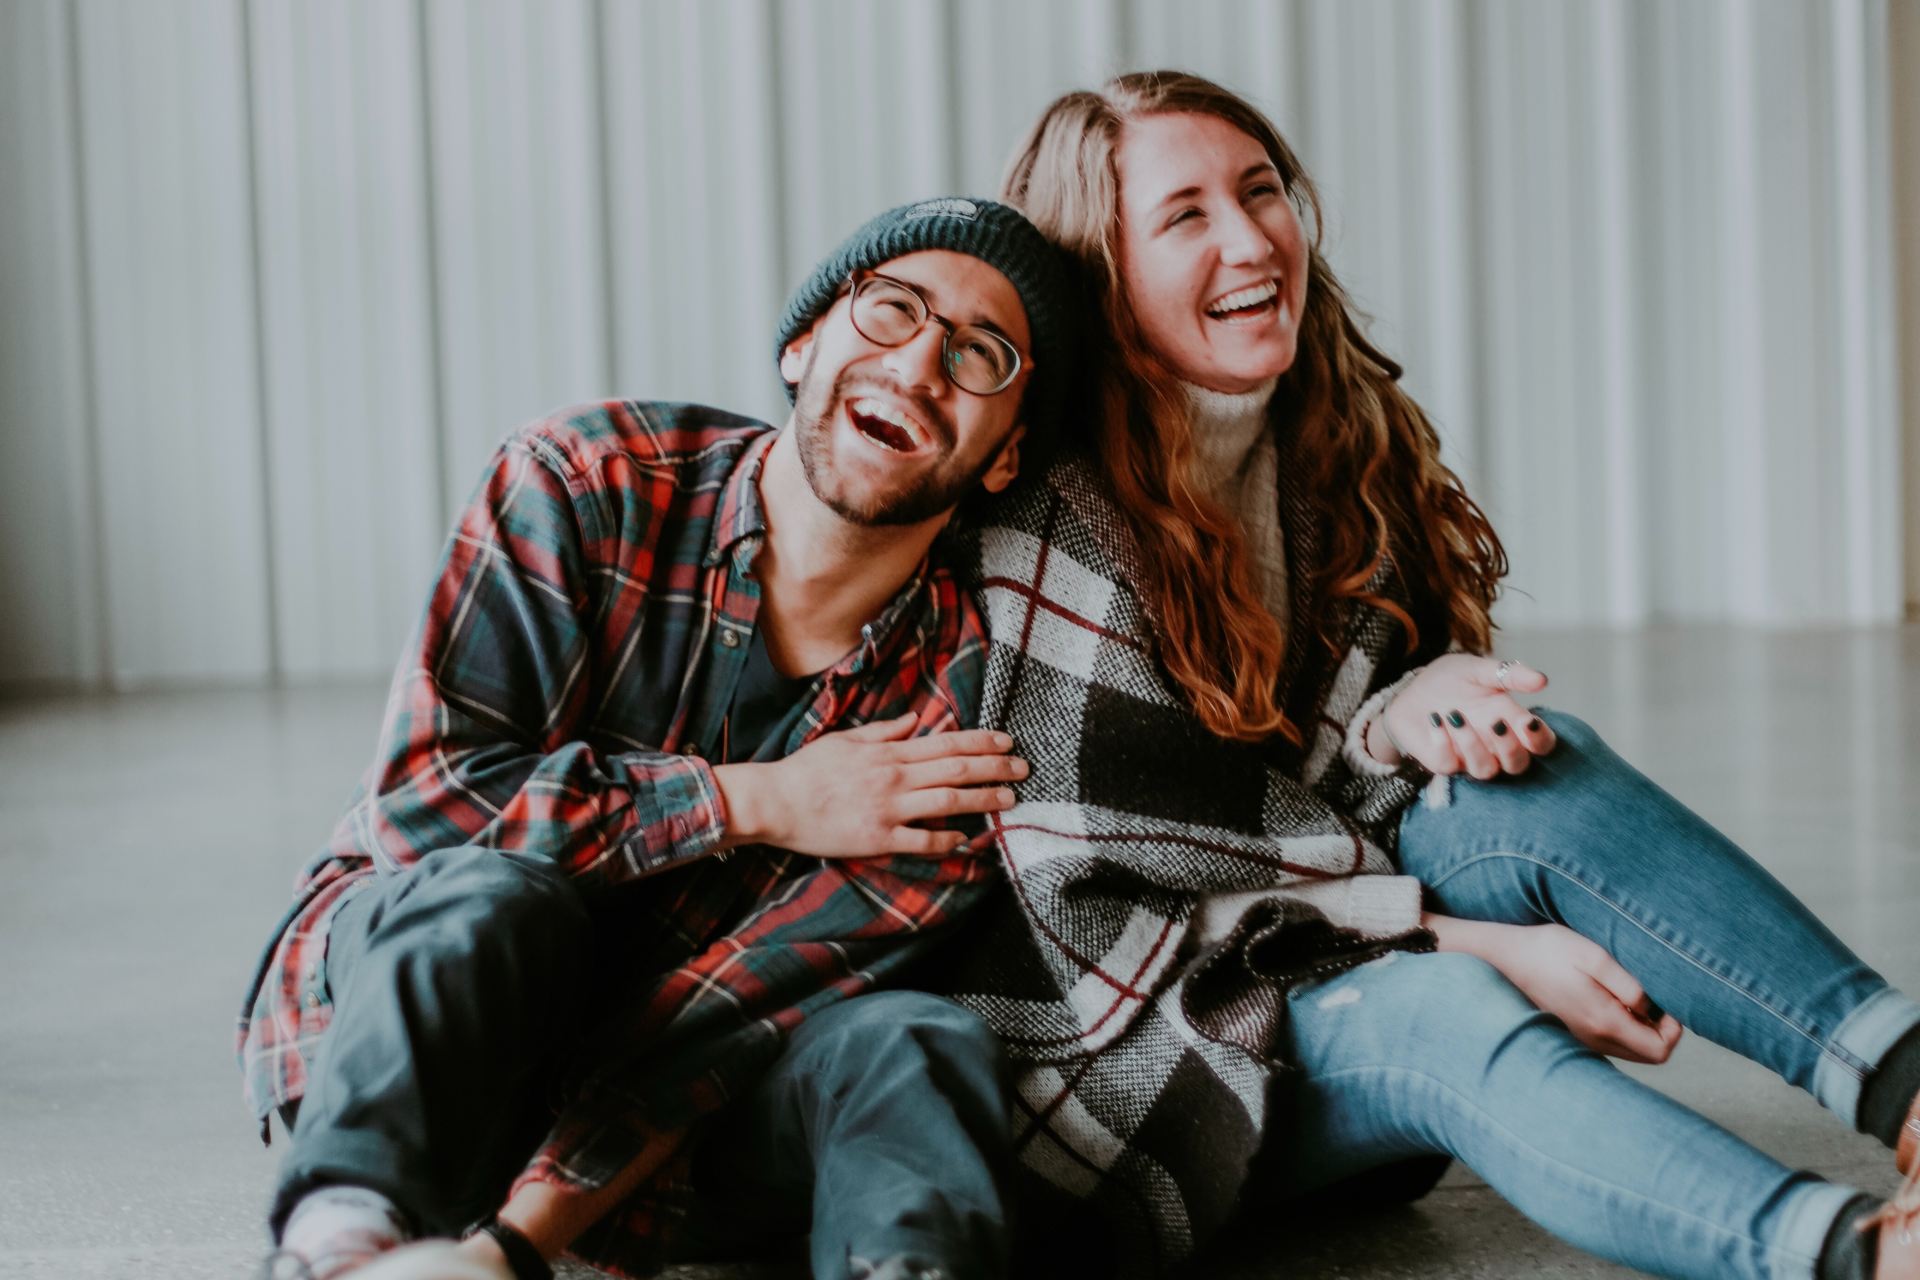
1145	1061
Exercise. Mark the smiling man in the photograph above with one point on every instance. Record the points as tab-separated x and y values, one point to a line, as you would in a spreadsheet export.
677	763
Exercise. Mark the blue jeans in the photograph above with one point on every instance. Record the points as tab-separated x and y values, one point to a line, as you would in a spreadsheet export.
1438	1053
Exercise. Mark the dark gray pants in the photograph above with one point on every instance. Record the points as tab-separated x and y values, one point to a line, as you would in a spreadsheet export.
458	988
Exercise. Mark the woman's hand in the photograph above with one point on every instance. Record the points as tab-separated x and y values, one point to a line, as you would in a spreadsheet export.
860	793
1456	716
1574	979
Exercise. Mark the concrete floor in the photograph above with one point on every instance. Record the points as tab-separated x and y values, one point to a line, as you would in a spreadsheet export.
149	840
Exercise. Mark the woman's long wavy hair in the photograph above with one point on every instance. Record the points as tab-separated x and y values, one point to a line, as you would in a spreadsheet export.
1359	432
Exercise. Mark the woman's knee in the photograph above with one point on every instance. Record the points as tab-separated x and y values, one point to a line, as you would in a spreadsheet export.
1567	813
1580	760
1568	727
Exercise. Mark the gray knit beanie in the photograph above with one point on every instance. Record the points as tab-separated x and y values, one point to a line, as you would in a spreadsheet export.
997	234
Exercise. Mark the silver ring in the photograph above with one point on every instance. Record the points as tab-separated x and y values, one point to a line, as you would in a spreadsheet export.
1500	673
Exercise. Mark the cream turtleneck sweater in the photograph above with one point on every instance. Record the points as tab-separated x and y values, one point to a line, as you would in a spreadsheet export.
1237	460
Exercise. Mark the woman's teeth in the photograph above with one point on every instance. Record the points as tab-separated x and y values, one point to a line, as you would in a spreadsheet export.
1244	301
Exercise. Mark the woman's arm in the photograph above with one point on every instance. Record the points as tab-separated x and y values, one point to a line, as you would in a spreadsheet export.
1570	977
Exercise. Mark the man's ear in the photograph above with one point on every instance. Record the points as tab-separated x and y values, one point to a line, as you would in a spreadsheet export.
793	360
1006	463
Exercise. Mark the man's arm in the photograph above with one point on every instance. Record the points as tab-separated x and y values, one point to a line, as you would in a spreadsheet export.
552	1217
479	742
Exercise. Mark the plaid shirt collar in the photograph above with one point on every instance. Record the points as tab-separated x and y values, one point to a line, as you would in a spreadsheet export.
742	515
740	530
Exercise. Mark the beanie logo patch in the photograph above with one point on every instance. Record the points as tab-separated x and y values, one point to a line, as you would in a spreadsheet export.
946	207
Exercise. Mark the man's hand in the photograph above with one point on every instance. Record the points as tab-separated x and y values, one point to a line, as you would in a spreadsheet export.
858	793
1494	734
1574	979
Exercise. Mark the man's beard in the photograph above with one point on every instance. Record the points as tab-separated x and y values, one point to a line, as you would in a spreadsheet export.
936	491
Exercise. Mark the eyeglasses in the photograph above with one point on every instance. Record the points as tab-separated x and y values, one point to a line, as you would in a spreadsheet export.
889	312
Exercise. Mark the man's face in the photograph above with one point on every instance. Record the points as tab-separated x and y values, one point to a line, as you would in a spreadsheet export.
884	437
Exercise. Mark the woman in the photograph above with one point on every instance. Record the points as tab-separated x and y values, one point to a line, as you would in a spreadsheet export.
1239	640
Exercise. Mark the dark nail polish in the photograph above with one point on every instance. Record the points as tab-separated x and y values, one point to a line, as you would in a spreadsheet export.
1435	717
1457	720
1534	725
1499	728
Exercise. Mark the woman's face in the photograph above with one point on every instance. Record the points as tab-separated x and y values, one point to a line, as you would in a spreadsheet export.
1213	258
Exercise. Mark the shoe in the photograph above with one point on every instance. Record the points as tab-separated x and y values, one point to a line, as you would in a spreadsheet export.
425	1260
285	1264
1907	1146
1897	1242
432	1260
1898	1247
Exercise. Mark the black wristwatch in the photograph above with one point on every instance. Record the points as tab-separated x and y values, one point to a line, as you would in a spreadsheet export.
525	1260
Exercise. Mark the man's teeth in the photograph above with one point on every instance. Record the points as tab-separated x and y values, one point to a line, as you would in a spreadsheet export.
1240	299
869	408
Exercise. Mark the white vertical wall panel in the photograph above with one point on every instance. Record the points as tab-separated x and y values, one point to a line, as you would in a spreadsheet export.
1684	327
175	359
1439	247
282	274
49	589
1542	485
1794	571
1897	130
1385	131
1355	92
1863	383
1501	192
1617	262
870	117
1760	288
346	287
694	191
514	124
1253	49
1012	57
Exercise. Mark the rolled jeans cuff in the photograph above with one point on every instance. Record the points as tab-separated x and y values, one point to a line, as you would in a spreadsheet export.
1856	1048
1804	1224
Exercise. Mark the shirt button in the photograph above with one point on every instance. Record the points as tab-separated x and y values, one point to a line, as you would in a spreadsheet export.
731	639
695	750
313	999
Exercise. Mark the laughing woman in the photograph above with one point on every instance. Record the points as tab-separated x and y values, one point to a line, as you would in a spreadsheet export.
1297	876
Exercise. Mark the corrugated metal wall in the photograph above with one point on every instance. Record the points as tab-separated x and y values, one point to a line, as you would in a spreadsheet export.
275	276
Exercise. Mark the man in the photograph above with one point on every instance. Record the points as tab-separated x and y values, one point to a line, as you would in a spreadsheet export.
671	770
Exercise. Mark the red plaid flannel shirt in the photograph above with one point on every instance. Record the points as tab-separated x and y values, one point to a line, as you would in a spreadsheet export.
583	641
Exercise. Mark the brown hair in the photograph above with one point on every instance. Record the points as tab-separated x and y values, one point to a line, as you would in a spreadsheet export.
1358	431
